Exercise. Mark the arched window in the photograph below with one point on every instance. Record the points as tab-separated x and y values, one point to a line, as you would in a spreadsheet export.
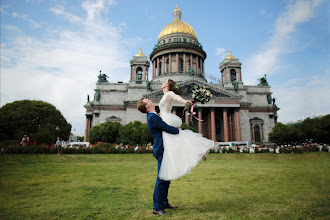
139	72
257	133
189	63
180	65
167	66
233	75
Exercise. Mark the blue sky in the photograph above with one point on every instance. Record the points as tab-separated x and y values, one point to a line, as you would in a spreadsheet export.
53	50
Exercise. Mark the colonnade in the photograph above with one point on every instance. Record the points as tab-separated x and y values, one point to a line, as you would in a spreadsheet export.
230	123
197	66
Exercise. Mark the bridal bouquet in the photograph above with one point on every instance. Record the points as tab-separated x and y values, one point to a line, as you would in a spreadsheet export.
199	95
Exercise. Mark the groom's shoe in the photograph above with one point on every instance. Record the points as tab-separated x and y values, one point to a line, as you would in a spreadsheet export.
170	207
159	212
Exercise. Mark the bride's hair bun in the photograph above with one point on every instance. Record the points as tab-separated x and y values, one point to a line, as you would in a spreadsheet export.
173	86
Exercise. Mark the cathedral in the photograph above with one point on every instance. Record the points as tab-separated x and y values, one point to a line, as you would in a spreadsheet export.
236	112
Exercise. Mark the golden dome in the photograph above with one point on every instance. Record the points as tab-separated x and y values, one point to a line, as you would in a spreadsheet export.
229	57
140	54
177	26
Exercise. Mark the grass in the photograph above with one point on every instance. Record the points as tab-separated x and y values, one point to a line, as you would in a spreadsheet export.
112	186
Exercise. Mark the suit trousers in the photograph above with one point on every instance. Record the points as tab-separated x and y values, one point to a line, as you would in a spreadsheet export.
161	190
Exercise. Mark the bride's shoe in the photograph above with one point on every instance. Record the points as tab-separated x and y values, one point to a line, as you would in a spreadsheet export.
204	157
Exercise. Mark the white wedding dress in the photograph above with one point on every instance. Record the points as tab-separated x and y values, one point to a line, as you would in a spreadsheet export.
182	151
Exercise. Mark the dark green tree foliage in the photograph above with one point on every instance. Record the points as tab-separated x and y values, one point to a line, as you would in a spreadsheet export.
135	133
105	132
41	121
318	128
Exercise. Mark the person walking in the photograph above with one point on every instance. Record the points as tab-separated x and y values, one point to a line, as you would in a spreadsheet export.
58	144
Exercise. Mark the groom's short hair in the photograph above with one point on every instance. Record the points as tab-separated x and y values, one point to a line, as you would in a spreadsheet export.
141	106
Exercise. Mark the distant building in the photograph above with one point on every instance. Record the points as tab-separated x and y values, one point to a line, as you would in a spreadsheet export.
236	112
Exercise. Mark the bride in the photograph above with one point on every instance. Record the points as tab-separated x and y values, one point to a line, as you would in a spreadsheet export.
183	151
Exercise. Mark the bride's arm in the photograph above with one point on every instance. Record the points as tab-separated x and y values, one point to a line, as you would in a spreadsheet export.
178	98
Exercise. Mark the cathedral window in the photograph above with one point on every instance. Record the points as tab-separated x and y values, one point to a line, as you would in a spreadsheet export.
232	75
184	39
139	73
180	65
167	66
169	40
164	41
179	39
160	68
257	136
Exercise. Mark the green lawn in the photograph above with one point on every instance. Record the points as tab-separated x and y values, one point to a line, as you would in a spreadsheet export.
112	186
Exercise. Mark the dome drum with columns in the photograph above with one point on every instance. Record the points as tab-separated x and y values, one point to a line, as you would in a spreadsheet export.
236	112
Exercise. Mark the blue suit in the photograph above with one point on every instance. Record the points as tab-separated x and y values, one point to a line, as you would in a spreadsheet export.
156	126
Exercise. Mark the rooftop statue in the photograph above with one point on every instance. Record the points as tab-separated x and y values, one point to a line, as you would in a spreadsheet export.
263	81
102	78
191	72
97	95
149	85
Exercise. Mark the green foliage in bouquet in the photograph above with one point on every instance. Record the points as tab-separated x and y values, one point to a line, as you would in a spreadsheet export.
201	94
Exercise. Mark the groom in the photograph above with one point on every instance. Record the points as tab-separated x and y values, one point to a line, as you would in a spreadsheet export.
156	126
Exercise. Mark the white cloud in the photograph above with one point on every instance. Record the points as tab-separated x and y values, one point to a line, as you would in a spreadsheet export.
266	60
59	10
220	51
62	66
304	99
26	18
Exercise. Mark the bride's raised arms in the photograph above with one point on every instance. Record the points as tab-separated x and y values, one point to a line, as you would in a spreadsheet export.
178	98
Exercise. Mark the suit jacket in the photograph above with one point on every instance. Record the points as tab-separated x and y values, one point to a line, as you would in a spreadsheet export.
156	126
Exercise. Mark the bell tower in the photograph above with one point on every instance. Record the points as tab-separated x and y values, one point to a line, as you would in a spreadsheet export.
139	68
231	75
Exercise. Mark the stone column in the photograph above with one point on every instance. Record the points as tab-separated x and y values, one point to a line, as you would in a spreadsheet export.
234	135
186	116
134	74
213	131
131	72
170	63
262	132
158	69
239	74
197	66
238	126
177	62
184	62
87	127
153	68
191	61
200	123
228	75
201	66
86	130
203	73
225	124
144	72
163	64
224	75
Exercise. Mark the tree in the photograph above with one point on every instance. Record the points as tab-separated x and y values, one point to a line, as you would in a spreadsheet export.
135	133
105	132
317	129
41	121
279	134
